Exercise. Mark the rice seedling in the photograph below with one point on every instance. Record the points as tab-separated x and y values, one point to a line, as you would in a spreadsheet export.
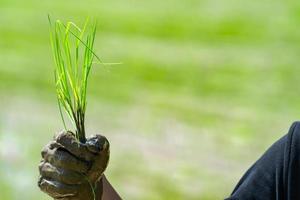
73	54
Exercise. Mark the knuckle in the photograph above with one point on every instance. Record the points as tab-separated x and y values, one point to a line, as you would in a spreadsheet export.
41	165
43	184
39	181
45	150
53	157
48	147
64	136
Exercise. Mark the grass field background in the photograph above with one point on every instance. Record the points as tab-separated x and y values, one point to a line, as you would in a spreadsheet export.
205	87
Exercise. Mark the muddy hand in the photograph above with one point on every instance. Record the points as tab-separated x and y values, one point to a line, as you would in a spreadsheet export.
72	171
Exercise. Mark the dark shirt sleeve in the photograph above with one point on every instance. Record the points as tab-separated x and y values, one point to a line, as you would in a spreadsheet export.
276	175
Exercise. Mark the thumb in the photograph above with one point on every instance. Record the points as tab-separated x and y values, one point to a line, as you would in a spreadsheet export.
97	144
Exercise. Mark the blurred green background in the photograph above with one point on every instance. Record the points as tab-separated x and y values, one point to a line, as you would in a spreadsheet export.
205	87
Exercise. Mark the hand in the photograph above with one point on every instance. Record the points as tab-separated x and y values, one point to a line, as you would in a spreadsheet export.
71	170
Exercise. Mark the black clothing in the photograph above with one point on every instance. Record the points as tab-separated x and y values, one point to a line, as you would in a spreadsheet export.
276	175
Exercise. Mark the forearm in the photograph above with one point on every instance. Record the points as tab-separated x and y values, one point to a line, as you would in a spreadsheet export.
108	192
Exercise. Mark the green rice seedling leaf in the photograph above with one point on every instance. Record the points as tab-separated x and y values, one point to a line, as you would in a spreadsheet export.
73	55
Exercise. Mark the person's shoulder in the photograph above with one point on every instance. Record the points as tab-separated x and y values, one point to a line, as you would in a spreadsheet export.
293	137
294	131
